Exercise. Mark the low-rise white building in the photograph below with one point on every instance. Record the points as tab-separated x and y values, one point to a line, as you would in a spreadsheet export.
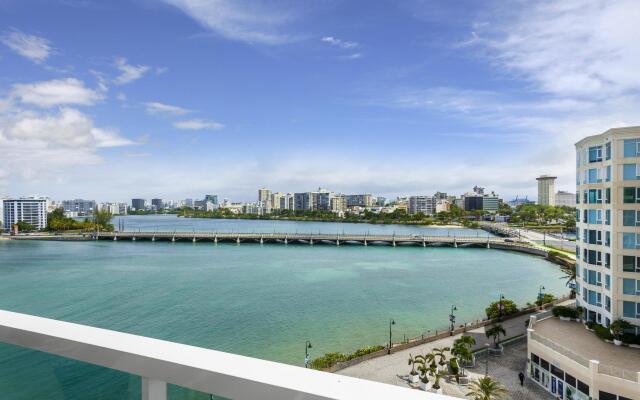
32	210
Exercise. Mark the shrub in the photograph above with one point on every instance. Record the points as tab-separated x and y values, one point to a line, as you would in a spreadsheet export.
554	253
546	299
602	332
330	359
563	311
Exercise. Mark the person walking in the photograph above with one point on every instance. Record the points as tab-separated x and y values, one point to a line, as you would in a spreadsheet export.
521	376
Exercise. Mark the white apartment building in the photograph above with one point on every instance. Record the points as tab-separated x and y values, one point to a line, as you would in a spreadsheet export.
565	358
32	210
423	204
566	199
546	190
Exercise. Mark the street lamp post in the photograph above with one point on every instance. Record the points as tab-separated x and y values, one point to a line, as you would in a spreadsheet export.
391	322
540	294
307	346
500	307
452	319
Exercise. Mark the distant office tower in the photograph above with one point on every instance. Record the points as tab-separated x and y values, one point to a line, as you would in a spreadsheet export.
423	204
566	199
546	190
302	201
32	210
138	204
472	202
211	198
490	202
264	196
79	206
188	202
359	200
157	204
322	200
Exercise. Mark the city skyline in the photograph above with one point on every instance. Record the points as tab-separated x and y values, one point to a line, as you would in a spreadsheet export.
270	94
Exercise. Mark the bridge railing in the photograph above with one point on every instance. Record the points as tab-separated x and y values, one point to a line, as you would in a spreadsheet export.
159	362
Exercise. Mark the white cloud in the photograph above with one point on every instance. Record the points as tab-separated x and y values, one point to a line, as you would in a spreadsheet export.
247	21
155	107
198	125
573	47
339	42
35	48
55	92
353	56
40	147
129	73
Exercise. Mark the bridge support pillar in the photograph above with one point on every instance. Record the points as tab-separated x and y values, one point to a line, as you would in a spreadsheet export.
393	243
337	242
215	240
238	240
311	242
194	239
286	240
115	238
133	239
455	244
424	244
261	240
153	239
488	247
365	242
173	239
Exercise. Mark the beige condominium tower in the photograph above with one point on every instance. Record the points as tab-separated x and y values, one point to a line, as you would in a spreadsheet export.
566	359
546	190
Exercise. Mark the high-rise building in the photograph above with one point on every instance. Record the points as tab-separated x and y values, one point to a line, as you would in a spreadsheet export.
275	200
32	210
157	204
323	200
188	202
607	277
423	204
264	197
338	203
546	190
138	204
211	198
472	202
302	201
79	206
490	202
359	200
566	199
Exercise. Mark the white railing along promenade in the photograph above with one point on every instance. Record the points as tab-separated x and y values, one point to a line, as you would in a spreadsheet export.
159	362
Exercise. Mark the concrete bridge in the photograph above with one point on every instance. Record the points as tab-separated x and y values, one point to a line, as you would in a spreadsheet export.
319	238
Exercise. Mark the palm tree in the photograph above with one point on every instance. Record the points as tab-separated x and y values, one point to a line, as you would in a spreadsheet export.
486	388
495	332
440	353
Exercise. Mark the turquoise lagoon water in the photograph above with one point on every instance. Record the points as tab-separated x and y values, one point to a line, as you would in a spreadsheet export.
256	300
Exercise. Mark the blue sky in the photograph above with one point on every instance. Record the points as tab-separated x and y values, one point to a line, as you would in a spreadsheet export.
178	98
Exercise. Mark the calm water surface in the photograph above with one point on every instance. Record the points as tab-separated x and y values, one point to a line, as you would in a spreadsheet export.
257	300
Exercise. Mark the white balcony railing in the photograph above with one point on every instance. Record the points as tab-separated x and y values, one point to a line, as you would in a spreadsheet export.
159	362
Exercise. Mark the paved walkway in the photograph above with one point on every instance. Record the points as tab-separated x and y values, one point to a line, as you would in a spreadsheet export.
393	369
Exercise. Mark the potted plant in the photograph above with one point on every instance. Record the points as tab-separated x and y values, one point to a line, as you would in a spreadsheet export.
424	377
462	350
617	328
580	312
440	354
413	375
436	374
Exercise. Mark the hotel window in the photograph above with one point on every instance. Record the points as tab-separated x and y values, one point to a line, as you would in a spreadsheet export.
631	218
630	309
608	176
595	154
593	257
593	175
594	196
595	236
592	216
595	278
630	172
631	286
607	281
583	387
630	264
631	147
607	303
607	195
577	250
607	260
607	217
631	195
630	241
607	238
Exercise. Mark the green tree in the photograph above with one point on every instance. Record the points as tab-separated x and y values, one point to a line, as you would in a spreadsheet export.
25	226
486	388
102	219
501	308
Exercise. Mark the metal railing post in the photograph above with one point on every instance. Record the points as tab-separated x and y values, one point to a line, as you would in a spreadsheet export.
153	389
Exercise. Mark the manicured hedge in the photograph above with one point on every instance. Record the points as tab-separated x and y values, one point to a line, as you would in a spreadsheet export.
563	311
331	359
